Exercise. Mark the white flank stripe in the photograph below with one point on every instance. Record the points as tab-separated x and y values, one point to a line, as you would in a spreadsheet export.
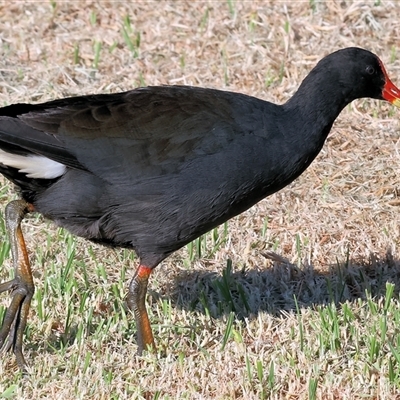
33	166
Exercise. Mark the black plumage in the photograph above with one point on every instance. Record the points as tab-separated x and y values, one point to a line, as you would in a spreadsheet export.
154	168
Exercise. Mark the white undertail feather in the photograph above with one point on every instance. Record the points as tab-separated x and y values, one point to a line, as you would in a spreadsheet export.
34	166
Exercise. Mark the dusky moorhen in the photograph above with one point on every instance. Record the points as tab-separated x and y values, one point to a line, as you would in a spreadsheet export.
154	168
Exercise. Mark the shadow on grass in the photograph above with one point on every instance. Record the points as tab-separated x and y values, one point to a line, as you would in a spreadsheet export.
279	287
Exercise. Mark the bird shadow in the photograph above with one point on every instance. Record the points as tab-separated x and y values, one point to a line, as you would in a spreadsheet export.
279	288
283	286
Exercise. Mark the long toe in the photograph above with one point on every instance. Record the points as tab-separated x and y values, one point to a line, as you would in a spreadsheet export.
14	322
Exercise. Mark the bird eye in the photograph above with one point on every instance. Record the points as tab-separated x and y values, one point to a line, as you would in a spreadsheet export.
370	70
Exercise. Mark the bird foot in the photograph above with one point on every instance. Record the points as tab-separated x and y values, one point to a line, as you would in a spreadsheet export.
21	287
14	321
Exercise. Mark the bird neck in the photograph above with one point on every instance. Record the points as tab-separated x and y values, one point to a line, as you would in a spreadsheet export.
316	105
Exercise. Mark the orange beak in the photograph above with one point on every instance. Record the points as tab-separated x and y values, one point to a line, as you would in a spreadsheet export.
390	92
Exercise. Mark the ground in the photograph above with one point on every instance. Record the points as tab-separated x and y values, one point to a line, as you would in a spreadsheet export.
318	318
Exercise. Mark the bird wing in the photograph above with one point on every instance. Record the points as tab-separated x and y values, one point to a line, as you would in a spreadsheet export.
128	135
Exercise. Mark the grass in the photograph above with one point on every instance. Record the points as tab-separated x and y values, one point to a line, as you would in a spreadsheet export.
320	318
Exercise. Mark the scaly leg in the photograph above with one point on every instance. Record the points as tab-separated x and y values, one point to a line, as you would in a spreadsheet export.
136	302
22	287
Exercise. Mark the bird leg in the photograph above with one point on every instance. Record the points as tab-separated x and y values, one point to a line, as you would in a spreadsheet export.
136	302
21	287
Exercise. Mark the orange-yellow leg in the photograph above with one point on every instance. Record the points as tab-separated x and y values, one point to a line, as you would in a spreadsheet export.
136	300
21	287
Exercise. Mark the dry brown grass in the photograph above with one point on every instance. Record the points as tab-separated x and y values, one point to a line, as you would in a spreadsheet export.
346	203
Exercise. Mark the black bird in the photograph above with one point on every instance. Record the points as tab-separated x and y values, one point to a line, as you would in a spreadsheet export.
154	168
